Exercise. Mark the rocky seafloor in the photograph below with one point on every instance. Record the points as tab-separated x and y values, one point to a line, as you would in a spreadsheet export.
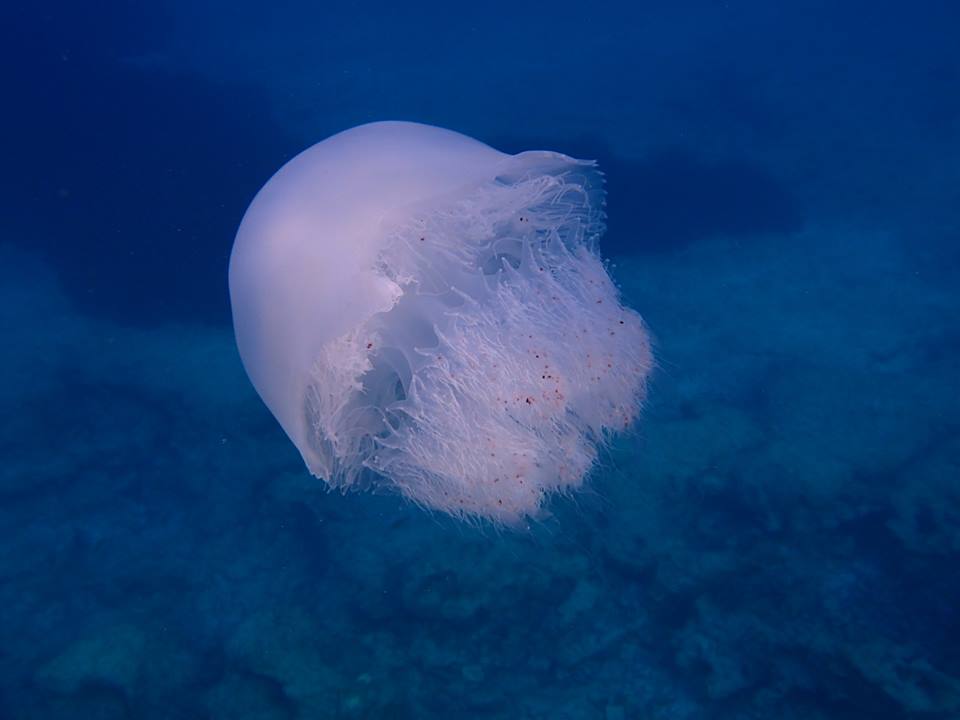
777	538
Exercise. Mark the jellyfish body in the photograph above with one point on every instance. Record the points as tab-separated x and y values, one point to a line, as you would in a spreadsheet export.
421	311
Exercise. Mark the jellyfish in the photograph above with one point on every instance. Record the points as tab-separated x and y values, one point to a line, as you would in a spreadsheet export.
426	314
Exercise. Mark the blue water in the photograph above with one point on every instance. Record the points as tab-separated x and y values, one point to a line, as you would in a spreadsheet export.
778	538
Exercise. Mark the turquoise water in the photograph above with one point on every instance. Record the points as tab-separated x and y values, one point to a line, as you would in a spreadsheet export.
777	537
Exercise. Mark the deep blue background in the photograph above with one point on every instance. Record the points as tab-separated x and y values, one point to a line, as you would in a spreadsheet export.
779	537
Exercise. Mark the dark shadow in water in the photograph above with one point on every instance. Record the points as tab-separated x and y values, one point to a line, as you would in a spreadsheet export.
144	173
673	198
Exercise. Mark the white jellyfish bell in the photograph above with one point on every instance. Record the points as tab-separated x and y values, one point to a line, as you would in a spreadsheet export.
424	312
